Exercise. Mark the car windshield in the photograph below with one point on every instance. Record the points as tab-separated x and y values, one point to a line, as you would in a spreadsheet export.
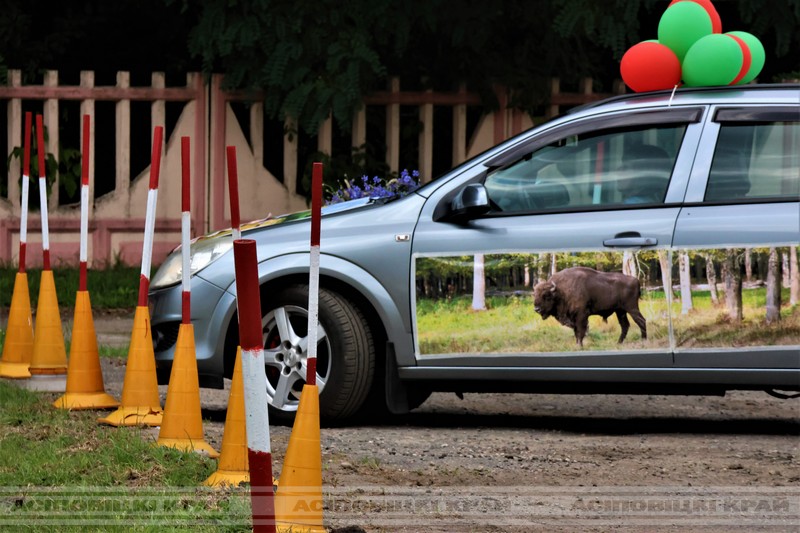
426	189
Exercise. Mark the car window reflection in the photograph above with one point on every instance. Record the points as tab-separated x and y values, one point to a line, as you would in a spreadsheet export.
594	170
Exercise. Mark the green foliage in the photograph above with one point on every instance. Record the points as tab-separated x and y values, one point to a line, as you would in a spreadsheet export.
766	17
613	24
340	167
616	24
315	59
40	34
310	59
67	168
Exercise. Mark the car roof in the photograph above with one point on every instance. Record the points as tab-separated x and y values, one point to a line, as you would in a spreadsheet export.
778	93
771	94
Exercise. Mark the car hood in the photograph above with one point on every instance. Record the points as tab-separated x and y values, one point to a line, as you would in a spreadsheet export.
270	220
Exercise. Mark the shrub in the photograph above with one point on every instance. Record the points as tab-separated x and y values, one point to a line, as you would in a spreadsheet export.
376	187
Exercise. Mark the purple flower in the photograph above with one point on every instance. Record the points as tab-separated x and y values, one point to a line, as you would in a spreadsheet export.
376	187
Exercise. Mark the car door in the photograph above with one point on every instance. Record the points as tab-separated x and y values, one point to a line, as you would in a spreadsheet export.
741	220
602	192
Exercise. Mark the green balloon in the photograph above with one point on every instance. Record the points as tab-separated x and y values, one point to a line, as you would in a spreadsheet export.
757	55
713	60
681	25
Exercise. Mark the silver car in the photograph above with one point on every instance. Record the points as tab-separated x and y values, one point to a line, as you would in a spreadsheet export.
497	275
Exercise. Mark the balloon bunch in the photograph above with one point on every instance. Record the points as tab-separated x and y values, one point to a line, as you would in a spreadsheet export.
692	50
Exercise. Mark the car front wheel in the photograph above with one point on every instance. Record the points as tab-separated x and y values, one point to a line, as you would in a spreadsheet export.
345	353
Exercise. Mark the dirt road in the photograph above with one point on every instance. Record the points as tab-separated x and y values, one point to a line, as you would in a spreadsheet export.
513	463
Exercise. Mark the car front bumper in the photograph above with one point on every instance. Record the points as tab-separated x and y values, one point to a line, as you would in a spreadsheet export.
212	310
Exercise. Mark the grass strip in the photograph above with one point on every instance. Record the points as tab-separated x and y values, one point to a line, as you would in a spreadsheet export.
60	470
113	352
115	287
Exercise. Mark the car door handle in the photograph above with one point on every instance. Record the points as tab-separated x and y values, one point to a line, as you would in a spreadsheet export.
623	242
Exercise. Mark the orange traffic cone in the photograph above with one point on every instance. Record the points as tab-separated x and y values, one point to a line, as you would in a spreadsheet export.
140	403
233	467
18	346
49	360
182	425
298	502
85	388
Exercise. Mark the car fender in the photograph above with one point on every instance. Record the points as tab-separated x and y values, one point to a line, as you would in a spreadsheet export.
354	276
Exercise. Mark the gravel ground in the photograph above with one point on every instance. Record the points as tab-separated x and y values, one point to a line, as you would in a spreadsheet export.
514	463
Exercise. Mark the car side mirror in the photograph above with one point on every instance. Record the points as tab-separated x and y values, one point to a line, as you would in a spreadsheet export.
470	202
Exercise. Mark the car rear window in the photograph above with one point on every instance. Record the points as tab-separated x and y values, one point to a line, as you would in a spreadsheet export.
755	161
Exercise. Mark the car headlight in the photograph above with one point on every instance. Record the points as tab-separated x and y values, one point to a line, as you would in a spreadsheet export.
202	252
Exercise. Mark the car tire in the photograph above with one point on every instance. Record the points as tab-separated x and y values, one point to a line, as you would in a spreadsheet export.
345	358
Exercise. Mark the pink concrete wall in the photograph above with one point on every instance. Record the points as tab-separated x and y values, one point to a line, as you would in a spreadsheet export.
117	218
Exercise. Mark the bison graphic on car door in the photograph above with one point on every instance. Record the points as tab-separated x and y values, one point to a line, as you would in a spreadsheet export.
571	264
572	295
540	302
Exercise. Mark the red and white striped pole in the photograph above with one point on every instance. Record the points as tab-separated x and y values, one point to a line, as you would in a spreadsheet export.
186	234
313	281
248	301
140	402
299	502
233	186
17	351
26	176
43	193
82	284
49	358
150	217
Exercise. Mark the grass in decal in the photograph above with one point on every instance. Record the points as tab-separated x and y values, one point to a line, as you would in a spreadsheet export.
510	325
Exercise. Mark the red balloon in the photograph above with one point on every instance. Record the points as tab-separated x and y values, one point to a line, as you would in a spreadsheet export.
650	66
716	21
747	59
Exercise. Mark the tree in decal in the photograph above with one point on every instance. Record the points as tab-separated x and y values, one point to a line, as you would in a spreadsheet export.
732	278
773	287
479	284
794	276
711	277
685	275
666	273
785	270
748	264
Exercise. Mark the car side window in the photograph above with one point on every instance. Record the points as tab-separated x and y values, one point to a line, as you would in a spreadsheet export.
753	161
589	170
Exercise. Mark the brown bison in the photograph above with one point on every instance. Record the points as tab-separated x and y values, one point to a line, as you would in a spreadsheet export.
575	293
